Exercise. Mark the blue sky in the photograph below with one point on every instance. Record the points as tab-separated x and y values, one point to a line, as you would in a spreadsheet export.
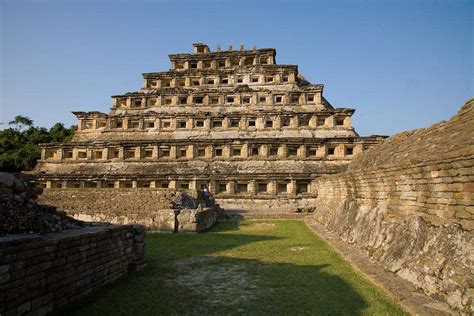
400	64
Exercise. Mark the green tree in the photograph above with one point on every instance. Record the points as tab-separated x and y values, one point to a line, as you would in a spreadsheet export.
19	146
21	122
59	133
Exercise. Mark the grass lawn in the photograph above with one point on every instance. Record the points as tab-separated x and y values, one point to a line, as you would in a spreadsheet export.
252	268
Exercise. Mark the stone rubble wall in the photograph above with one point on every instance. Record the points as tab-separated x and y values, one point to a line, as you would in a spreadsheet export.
40	273
409	203
156	209
19	212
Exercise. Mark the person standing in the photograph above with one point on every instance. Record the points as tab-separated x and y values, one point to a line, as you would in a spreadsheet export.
206	195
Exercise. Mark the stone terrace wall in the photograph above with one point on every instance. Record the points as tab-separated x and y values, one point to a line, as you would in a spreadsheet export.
409	203
119	201
154	208
268	204
41	273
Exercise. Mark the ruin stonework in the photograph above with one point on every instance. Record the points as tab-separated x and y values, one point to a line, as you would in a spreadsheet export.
156	209
409	202
263	137
252	129
40	273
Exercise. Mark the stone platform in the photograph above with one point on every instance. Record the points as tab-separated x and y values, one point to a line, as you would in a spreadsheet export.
244	215
156	209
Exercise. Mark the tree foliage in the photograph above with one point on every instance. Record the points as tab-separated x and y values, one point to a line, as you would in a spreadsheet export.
21	122
19	144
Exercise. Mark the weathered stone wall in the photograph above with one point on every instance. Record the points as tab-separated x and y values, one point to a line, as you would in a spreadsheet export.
118	201
270	204
409	203
191	220
19	212
40	273
157	209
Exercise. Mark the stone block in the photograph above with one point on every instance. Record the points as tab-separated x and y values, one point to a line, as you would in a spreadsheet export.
469	187
4	278
52	282
463	215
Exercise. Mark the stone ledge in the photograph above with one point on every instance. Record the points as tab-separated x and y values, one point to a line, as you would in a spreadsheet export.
402	291
239	215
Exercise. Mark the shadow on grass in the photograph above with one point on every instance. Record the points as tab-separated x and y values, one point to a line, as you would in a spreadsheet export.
225	226
225	286
184	276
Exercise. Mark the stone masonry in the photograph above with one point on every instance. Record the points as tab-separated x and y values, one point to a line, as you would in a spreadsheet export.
409	202
252	129
40	273
19	212
157	209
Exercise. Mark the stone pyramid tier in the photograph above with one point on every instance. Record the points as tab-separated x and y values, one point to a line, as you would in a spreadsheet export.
234	119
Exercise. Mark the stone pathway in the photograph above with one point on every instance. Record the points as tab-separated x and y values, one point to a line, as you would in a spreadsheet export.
402	291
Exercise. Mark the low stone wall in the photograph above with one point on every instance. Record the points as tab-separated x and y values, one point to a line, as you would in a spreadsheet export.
163	220
40	273
118	201
409	203
272	204
157	209
187	220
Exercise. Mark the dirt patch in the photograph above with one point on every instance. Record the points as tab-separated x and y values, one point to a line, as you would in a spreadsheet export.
216	283
299	248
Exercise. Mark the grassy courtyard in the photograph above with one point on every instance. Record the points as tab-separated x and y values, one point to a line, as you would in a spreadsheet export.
252	268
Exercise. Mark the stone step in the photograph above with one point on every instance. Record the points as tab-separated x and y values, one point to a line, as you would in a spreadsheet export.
256	215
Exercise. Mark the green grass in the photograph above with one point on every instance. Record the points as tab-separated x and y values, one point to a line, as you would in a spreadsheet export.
251	268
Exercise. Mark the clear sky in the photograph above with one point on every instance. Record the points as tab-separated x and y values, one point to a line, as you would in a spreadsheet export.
400	64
